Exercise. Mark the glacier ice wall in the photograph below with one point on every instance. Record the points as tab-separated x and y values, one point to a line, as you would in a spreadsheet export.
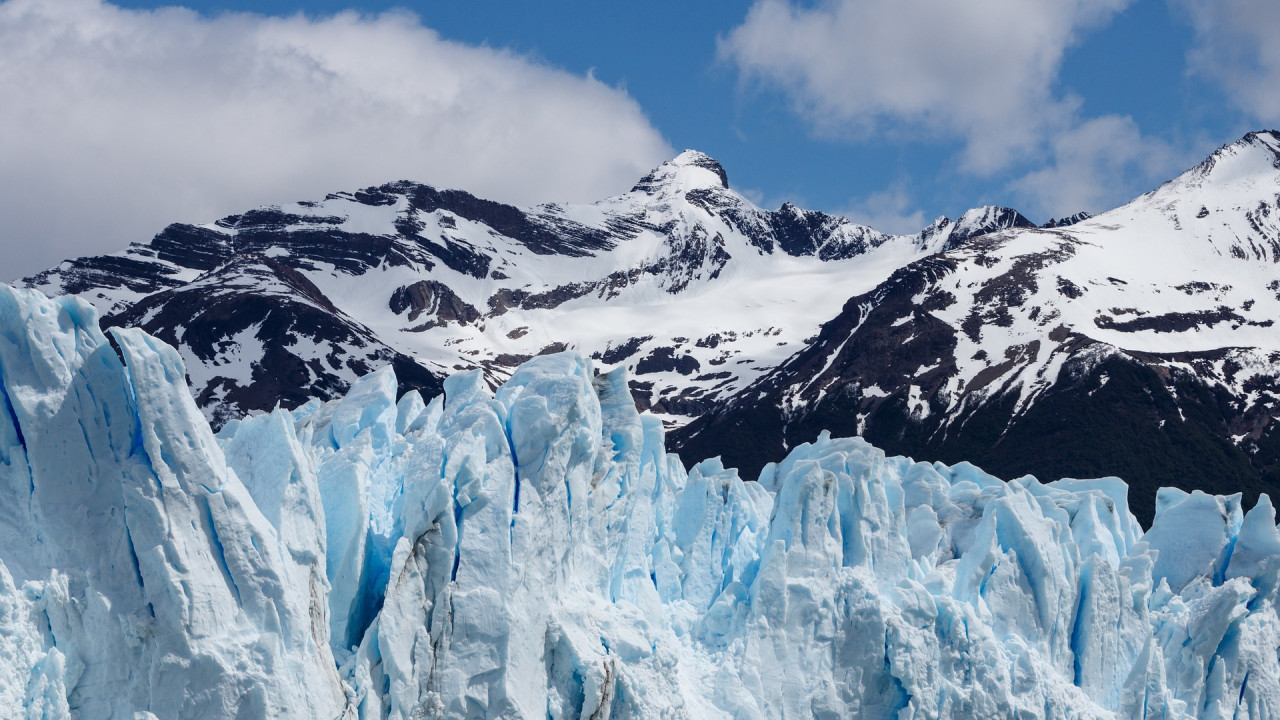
535	552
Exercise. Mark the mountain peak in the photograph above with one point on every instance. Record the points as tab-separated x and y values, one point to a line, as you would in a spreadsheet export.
690	170
989	218
1263	145
1268	138
1255	153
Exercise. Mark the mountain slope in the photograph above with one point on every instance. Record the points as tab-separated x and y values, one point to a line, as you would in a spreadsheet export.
696	290
260	329
1140	342
535	553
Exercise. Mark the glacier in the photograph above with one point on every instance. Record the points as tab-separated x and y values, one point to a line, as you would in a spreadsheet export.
536	552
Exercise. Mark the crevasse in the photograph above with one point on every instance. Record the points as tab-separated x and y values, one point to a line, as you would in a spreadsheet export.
535	552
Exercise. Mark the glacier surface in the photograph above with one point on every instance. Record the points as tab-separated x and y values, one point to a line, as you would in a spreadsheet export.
535	552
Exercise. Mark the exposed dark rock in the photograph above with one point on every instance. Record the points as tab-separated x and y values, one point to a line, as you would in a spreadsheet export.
112	271
227	313
665	360
435	299
542	236
1177	322
511	360
1067	221
642	392
615	355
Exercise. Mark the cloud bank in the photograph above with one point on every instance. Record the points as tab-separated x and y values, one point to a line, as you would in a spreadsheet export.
116	122
982	71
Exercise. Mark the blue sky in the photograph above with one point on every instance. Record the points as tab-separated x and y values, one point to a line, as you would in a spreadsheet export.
890	111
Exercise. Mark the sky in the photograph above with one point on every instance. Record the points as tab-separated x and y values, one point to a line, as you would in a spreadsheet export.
117	119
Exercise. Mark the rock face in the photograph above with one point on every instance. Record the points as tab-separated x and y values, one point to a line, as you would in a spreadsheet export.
535	552
258	329
1140	342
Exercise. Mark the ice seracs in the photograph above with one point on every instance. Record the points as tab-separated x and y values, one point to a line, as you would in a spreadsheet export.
535	552
144	576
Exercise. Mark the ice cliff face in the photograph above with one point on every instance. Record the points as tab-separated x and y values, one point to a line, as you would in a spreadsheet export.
536	553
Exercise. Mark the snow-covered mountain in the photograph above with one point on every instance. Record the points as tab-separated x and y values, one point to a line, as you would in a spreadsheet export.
1138	342
695	289
1141	342
535	553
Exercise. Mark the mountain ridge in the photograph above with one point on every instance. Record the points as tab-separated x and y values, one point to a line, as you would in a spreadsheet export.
691	225
713	304
994	328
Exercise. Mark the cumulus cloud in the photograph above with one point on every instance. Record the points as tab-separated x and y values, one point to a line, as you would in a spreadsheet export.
1236	46
115	122
982	72
890	210
1095	167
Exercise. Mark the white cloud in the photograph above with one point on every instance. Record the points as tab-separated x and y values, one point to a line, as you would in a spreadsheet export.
115	122
890	210
1236	45
1096	166
982	72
